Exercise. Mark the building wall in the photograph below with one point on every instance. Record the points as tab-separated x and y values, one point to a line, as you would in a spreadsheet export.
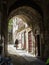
20	36
33	40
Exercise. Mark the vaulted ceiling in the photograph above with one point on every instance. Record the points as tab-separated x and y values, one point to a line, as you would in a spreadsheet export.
13	4
10	3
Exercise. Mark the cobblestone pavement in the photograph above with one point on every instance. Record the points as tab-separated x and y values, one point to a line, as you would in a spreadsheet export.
22	58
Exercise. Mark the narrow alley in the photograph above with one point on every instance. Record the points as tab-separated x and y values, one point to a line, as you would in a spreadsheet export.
24	31
21	57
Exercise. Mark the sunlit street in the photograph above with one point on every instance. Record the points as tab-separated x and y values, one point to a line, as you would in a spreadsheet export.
23	57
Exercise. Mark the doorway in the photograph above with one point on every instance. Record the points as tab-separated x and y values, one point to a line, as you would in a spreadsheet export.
37	45
29	42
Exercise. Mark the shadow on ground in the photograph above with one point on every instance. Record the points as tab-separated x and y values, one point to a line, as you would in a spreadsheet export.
19	60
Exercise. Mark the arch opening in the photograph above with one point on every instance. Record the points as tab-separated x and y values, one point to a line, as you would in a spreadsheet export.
34	21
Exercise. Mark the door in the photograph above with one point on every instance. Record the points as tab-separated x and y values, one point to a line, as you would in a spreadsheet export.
37	47
29	42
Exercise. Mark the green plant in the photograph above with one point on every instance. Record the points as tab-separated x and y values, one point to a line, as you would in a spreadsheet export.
47	62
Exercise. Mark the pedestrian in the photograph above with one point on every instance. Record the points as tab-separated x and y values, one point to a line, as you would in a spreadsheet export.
16	43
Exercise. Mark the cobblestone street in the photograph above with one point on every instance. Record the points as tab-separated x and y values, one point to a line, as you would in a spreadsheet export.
20	57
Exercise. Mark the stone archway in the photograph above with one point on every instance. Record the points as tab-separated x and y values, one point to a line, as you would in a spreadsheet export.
32	17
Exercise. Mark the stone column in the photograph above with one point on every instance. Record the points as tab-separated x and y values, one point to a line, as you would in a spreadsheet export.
46	18
4	28
0	20
46	29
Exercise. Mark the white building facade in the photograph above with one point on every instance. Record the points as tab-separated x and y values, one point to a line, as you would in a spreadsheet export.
24	34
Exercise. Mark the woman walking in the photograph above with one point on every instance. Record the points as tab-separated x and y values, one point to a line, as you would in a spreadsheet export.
16	43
